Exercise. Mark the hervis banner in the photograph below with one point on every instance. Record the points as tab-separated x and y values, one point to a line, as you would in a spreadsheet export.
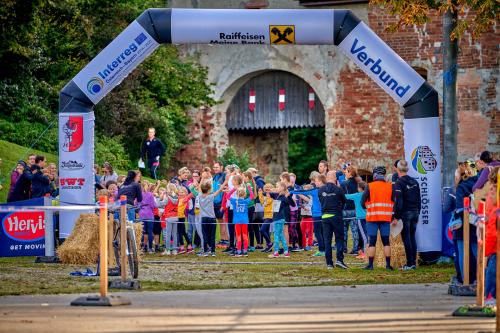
282	28
76	166
22	232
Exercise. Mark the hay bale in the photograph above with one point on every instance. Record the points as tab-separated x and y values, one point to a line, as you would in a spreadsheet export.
82	246
398	256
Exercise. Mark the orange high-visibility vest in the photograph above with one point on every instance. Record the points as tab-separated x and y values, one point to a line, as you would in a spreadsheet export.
379	207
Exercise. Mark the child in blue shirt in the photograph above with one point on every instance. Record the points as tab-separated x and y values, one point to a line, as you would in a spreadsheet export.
360	216
240	218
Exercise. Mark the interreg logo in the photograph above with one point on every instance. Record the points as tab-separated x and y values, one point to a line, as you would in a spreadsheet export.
376	67
124	57
94	86
422	160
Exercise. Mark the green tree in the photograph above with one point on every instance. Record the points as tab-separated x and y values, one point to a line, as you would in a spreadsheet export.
475	16
306	147
231	156
46	42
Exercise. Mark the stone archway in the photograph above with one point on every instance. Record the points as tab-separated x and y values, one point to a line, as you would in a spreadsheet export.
263	132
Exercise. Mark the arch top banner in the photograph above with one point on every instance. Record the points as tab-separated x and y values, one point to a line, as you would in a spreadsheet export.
247	27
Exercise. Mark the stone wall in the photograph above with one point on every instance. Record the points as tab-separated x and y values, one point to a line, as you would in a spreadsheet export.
268	149
363	124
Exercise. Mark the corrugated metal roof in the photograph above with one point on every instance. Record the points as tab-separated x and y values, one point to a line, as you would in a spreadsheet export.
267	113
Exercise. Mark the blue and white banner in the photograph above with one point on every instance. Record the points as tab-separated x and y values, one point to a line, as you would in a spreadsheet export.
22	232
250	27
115	62
76	165
422	147
381	63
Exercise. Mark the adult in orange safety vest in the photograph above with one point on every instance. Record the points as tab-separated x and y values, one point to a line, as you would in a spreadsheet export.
378	200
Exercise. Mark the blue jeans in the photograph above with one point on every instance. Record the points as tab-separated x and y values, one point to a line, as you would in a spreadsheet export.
472	261
279	235
264	231
131	214
362	233
490	277
350	221
318	232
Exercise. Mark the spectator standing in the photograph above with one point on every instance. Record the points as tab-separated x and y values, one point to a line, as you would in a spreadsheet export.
108	174
146	215
31	160
407	209
332	201
152	149
218	179
323	167
378	200
22	189
14	176
350	186
489	163
132	190
40	183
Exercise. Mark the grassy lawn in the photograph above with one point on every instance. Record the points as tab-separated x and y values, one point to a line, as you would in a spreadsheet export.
188	272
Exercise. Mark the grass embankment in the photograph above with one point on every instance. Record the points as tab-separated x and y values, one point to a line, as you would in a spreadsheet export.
22	276
10	153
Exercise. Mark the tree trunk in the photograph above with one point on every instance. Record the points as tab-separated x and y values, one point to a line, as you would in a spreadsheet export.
450	119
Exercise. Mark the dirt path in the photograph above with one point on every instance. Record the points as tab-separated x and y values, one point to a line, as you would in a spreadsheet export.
373	308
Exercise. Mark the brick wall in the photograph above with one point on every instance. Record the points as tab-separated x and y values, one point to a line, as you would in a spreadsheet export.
364	124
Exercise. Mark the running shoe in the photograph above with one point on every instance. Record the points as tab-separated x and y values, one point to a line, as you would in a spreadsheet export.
166	253
296	249
307	248
213	254
353	253
490	301
268	249
286	254
245	253
319	254
361	255
238	254
368	267
174	252
200	254
329	267
227	250
274	255
341	264
259	247
251	249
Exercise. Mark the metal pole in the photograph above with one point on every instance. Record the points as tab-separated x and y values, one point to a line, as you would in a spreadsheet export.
466	241
49	229
103	240
480	256
123	237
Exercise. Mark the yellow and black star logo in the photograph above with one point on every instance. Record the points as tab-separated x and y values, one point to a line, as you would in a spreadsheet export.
282	34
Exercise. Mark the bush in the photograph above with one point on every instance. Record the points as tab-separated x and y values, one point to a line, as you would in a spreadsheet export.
231	156
24	133
111	150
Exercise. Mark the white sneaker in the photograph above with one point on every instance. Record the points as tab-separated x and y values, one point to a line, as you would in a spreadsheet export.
166	253
174	252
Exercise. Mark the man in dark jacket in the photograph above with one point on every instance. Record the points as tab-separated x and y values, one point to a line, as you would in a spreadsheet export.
153	149
332	201
39	182
407	208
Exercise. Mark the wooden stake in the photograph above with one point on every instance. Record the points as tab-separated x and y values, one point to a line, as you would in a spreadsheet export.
103	240
480	256
123	237
466	241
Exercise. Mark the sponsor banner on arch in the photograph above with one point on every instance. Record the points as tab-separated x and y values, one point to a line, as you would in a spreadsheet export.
252	27
115	62
22	233
422	147
382	64
76	163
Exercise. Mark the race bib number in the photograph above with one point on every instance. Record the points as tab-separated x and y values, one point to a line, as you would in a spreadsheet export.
276	206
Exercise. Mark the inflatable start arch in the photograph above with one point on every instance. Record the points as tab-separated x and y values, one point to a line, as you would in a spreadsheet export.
252	27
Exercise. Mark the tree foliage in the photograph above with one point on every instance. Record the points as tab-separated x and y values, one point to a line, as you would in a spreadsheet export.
231	156
475	16
46	42
306	147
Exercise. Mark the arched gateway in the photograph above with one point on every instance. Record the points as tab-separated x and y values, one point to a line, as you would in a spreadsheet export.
252	27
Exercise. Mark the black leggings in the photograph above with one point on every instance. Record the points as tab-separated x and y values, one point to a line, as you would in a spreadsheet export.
230	228
253	229
181	232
